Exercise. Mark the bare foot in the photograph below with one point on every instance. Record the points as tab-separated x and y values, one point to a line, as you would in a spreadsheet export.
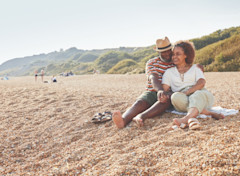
138	120
118	120
217	116
178	122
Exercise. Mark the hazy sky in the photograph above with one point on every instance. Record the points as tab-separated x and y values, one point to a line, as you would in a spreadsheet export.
31	27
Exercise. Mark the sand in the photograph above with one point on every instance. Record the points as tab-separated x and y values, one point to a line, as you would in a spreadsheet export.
46	129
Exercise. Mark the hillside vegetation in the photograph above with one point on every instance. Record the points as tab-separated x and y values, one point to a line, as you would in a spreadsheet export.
221	56
215	37
218	51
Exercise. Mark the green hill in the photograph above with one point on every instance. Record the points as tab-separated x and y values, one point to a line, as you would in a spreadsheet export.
215	37
109	59
124	66
223	55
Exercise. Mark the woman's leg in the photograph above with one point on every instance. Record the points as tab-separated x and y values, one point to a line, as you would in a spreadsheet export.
203	100
197	102
213	114
192	113
180	101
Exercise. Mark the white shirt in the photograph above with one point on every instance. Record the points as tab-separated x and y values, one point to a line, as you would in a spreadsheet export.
174	79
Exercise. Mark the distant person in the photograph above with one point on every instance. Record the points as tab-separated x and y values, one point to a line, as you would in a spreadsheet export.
42	74
36	75
187	82
54	79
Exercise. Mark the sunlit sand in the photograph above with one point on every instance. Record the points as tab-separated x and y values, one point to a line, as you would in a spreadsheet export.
46	130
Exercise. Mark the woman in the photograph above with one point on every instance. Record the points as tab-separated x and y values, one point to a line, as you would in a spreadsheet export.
187	82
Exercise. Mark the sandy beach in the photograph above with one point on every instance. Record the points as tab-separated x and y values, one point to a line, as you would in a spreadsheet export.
46	129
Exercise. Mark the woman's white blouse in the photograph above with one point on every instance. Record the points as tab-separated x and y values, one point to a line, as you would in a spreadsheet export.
178	81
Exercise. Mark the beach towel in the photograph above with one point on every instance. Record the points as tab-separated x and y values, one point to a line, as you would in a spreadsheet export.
217	109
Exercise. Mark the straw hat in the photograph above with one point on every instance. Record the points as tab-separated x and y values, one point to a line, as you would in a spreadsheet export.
162	45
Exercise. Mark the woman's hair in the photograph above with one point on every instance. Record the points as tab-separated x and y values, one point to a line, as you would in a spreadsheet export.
188	49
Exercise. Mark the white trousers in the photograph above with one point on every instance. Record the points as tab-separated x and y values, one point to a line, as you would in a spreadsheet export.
201	99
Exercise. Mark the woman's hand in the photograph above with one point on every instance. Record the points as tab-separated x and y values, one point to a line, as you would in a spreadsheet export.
187	92
198	86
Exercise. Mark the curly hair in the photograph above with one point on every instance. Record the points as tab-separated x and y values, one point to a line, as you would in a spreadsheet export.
188	48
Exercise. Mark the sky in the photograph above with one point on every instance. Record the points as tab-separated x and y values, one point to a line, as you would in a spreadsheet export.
32	27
